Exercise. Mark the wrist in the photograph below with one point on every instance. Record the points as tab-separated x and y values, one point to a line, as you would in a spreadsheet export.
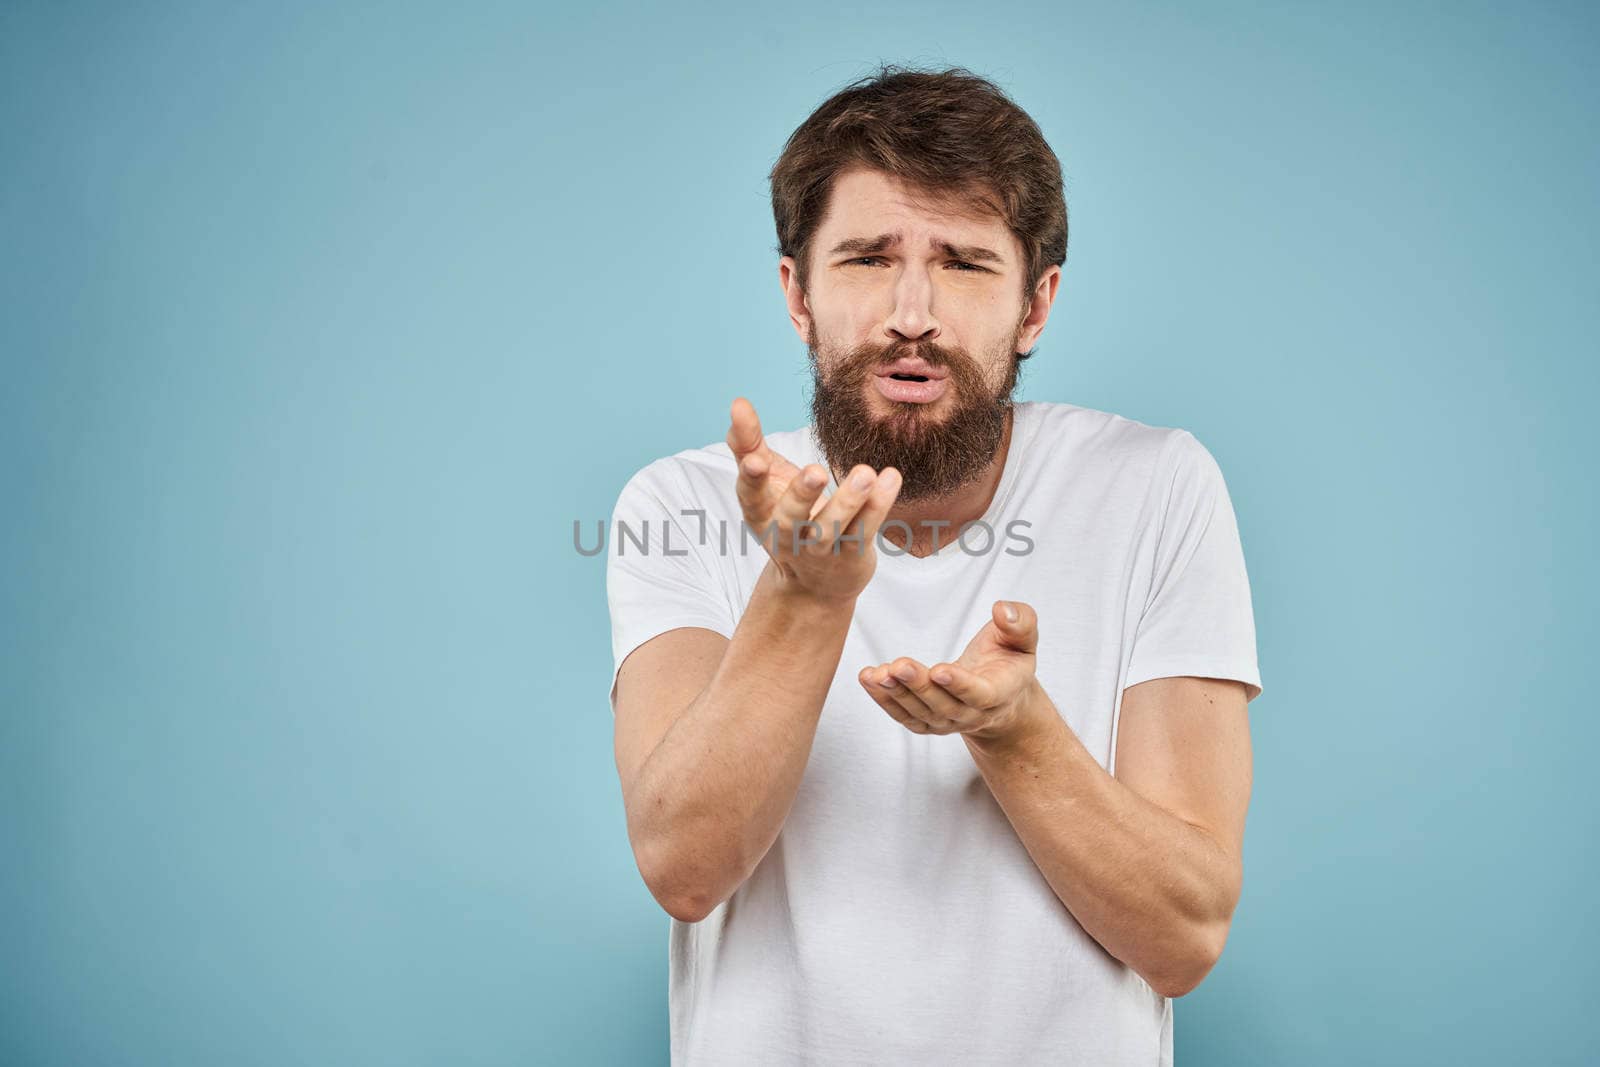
801	601
1030	718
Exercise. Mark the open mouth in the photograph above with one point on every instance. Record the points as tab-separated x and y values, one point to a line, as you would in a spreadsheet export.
910	387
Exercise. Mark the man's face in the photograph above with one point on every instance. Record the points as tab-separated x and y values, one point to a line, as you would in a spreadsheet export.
913	316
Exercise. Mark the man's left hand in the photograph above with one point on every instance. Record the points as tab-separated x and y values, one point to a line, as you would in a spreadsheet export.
989	693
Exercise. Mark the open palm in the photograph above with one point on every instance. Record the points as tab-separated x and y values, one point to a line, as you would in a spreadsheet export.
993	658
985	692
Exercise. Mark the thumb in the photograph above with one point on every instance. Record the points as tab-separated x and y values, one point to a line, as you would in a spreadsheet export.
1018	625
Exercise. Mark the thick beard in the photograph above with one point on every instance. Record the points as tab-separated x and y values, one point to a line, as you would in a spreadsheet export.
935	456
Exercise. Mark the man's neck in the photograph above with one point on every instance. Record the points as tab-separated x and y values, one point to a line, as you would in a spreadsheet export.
936	521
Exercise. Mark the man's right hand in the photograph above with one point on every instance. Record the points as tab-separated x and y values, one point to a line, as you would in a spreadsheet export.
822	546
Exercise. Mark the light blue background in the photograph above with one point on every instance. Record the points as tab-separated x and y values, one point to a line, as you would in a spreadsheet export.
321	328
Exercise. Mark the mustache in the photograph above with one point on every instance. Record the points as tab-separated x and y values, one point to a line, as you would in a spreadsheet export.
870	358
934	457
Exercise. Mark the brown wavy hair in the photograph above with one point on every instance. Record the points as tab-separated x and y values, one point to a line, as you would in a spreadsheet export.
946	133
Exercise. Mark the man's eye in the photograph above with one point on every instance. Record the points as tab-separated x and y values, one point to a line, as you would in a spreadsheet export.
964	267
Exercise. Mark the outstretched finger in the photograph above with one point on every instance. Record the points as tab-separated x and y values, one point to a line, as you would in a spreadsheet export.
839	514
751	485
1018	624
966	686
754	459
869	519
907	678
938	699
794	508
744	430
885	700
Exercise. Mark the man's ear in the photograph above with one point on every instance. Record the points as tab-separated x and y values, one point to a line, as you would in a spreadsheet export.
1037	311
796	299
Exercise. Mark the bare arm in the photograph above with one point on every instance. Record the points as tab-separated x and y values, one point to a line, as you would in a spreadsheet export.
707	786
713	734
1148	861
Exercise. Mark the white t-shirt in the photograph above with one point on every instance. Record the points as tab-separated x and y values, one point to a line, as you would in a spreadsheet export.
898	919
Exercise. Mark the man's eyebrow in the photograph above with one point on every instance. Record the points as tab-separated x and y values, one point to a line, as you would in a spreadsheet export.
866	246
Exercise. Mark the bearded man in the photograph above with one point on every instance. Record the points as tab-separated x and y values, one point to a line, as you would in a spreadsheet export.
942	755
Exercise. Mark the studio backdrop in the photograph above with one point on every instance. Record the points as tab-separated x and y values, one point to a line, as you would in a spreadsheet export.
323	325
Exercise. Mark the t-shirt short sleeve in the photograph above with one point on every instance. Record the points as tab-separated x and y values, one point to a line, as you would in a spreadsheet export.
1198	619
658	574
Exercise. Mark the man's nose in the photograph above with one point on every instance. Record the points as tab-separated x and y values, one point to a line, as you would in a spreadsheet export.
912	318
